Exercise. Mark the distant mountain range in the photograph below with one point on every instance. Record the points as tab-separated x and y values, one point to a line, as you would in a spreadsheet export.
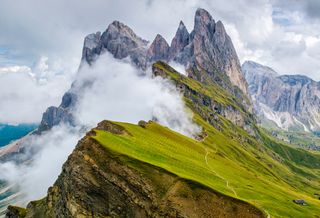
290	102
9	132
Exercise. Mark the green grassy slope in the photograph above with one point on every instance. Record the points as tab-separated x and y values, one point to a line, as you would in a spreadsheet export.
219	163
305	140
255	168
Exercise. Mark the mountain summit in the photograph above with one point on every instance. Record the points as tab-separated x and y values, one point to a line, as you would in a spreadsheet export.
208	47
207	54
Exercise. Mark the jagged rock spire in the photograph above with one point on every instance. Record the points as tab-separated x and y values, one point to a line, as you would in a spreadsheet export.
180	40
158	50
203	22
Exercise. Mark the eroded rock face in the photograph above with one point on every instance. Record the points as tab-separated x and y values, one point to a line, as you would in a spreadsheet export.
207	53
208	47
291	101
62	114
98	183
180	41
158	50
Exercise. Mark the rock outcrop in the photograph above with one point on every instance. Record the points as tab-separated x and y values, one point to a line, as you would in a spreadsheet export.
292	102
207	53
96	182
62	114
179	41
158	50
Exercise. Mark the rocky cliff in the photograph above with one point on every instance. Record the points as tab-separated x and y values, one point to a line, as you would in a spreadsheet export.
96	182
207	54
292	102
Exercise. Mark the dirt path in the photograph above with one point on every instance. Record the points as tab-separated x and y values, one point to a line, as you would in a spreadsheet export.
268	215
221	177
212	170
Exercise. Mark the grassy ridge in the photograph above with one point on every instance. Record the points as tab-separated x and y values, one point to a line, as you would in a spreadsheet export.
256	169
228	161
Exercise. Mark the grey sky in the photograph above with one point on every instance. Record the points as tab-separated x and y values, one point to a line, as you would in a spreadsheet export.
41	41
282	34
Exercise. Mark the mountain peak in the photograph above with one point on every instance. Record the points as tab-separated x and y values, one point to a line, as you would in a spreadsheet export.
207	47
158	50
203	21
249	67
180	40
181	25
160	38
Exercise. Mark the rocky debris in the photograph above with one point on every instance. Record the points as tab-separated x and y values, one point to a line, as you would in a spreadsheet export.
290	101
142	123
95	182
300	202
16	212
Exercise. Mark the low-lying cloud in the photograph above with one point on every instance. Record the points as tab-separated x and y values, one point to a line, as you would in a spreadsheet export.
25	93
120	92
53	149
117	91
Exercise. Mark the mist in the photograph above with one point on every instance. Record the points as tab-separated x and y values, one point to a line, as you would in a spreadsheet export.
115	90
26	92
123	93
34	179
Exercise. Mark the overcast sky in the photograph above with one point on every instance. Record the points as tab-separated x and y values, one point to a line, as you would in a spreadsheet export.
283	34
44	38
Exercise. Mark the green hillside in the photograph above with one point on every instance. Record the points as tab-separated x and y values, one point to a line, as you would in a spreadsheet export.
220	163
251	167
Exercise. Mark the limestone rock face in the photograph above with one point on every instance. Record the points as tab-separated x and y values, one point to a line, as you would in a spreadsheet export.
208	48
62	114
290	101
207	54
96	182
180	40
158	50
213	49
119	40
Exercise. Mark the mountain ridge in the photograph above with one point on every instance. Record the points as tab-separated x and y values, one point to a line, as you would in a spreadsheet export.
256	169
291	101
207	53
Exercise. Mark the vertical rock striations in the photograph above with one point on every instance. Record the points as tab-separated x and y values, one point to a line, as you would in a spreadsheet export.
207	53
179	41
292	102
158	50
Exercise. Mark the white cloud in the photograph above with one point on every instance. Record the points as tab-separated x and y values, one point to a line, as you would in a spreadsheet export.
118	92
15	69
25	93
256	27
33	179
